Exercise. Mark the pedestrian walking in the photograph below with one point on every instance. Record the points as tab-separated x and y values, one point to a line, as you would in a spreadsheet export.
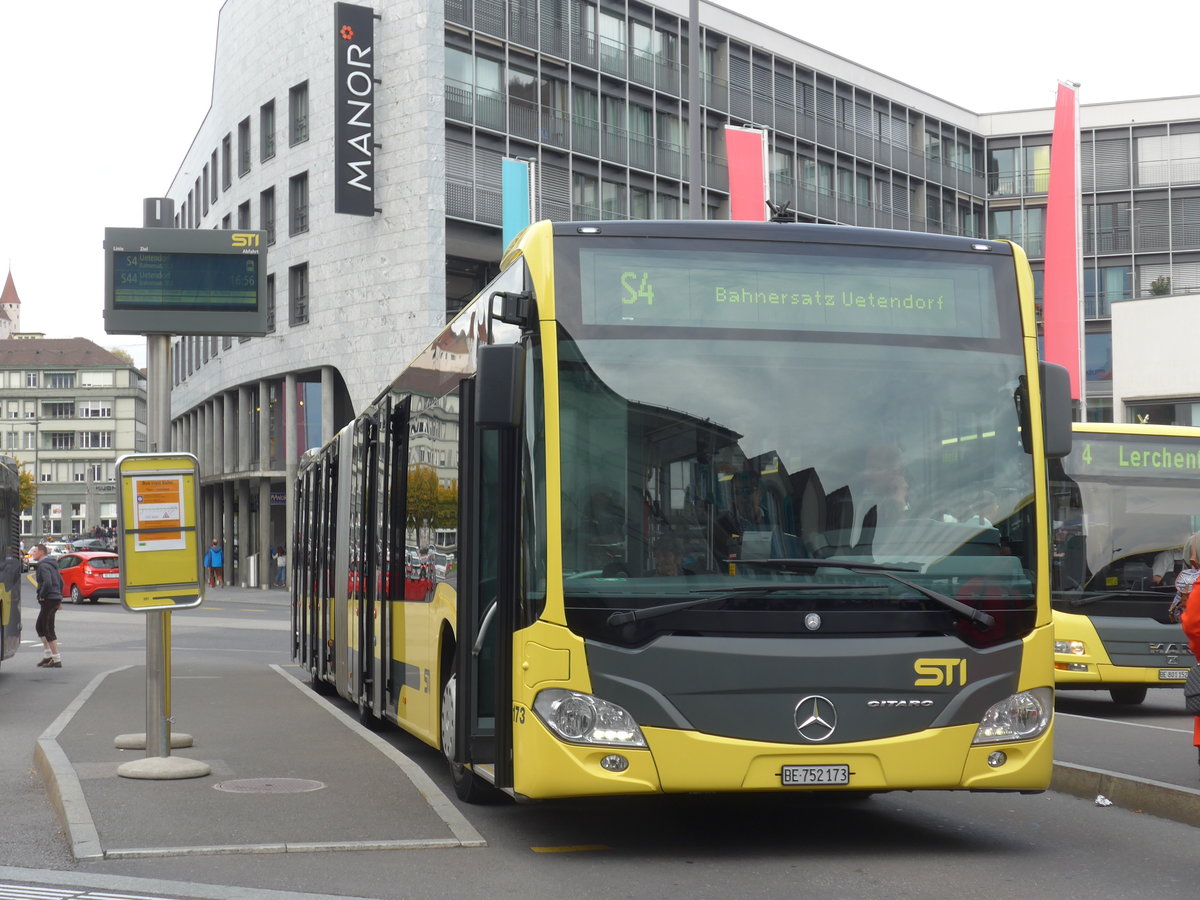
280	567
214	562
1191	615
49	597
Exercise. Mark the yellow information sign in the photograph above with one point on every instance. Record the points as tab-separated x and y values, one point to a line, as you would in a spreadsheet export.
157	520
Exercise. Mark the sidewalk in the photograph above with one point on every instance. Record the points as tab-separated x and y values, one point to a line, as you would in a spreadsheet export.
290	773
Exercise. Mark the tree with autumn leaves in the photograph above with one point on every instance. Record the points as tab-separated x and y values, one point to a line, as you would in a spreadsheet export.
430	506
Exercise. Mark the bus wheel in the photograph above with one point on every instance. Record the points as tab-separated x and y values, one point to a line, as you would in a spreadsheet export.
467	785
1128	695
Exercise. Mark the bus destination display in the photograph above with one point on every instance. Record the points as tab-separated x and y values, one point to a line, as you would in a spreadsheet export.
1095	456
787	291
199	281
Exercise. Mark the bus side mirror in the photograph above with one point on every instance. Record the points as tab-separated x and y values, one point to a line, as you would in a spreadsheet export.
500	386
1056	409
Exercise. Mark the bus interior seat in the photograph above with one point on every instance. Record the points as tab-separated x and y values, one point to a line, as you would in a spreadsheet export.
839	520
807	509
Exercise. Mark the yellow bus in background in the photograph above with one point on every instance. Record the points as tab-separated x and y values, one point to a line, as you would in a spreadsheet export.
1124	501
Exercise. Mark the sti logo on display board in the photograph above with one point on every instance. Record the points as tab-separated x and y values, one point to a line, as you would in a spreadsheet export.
185	281
354	109
157	511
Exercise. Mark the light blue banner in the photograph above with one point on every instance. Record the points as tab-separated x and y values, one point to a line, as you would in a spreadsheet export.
514	186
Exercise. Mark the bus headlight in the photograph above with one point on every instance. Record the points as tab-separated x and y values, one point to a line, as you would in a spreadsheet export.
1021	717
584	719
1074	648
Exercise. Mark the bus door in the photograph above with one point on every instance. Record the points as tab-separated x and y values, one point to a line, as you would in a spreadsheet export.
363	565
487	598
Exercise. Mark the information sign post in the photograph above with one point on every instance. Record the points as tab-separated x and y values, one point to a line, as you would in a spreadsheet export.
158	518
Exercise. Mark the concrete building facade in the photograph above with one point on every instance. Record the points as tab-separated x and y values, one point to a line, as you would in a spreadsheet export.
597	95
71	410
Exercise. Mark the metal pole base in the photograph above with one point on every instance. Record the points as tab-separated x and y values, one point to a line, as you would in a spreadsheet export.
163	768
137	741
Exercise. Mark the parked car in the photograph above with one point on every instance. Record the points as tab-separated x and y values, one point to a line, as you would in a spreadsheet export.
91	544
90	575
54	549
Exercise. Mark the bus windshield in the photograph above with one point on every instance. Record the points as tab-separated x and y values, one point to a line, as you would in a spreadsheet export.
692	456
1122	506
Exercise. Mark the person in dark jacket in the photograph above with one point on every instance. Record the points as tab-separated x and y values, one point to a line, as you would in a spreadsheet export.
49	597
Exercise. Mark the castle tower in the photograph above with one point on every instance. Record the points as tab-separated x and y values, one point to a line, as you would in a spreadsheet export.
10	309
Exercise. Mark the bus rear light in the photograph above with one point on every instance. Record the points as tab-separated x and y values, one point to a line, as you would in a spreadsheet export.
585	719
1020	717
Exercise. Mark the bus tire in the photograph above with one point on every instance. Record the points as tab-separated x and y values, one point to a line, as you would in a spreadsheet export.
467	785
1128	694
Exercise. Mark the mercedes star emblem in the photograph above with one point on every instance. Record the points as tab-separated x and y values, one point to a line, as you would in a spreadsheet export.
816	718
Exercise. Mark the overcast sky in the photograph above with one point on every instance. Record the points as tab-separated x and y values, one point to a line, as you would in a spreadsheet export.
100	100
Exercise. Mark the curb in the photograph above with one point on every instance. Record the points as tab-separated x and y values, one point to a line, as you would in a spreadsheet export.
1167	801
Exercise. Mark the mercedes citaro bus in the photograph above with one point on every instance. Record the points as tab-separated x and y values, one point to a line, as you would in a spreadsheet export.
733	507
1123	503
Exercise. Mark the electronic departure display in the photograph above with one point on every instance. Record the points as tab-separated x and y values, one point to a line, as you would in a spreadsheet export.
857	290
184	281
1149	457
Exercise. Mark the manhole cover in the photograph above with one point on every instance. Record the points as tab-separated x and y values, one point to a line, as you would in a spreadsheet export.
269	786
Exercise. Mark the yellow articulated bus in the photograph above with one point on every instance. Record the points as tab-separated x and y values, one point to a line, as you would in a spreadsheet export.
10	562
1124	501
704	507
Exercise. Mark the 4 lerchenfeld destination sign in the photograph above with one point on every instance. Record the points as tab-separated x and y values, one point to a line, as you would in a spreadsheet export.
185	281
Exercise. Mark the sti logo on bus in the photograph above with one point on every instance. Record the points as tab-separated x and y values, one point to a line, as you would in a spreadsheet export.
935	671
244	239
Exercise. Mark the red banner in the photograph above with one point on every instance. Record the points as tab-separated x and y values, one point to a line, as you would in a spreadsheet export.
747	174
1060	312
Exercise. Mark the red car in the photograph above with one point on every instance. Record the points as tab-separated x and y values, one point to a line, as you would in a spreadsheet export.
89	575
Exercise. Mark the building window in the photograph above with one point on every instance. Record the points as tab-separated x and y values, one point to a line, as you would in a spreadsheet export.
60	380
62	410
95	409
62	440
213	183
78	471
227	221
266	213
298	294
270	303
244	146
298	114
244	216
226	161
266	129
95	440
204	195
298	203
31	379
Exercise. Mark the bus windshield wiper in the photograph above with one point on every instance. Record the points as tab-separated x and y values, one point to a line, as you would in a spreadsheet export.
719	594
968	612
1077	599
